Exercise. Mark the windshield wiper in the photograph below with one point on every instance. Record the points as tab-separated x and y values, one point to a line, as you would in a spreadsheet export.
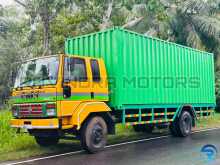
26	82
39	82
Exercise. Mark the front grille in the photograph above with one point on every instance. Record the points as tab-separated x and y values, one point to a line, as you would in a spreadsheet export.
29	110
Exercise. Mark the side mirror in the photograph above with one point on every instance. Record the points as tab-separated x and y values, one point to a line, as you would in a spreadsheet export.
66	91
66	78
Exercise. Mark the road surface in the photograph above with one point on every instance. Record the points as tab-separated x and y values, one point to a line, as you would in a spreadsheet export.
166	150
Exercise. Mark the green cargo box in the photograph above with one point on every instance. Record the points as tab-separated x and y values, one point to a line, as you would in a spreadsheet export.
148	71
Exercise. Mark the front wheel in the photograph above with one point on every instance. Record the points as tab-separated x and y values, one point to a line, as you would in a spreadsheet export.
46	141
94	134
183	125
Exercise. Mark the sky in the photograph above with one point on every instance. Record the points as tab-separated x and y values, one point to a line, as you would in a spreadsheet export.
6	2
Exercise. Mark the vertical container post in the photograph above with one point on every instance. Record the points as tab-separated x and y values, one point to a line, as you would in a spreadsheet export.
123	116
166	114
152	114
139	115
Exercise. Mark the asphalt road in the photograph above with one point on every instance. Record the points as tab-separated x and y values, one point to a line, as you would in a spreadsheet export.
166	150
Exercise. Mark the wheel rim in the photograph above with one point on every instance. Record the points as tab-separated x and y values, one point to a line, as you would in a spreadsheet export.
97	134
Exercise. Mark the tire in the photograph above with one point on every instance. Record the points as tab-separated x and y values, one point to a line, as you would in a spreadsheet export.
173	129
46	141
182	127
94	134
144	128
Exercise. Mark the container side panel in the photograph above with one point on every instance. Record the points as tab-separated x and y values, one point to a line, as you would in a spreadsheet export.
165	73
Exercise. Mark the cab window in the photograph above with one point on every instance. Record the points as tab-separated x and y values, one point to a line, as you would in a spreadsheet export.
95	70
75	69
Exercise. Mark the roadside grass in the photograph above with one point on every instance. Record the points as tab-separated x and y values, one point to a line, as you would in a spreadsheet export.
9	139
15	146
211	122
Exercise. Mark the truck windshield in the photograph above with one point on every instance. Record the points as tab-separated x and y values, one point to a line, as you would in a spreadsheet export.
41	71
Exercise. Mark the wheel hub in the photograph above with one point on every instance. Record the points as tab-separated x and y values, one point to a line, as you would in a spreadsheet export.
186	124
97	134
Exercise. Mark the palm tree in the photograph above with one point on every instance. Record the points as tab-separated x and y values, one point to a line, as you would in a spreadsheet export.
200	21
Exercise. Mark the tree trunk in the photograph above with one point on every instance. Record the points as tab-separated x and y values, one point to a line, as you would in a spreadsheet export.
46	39
46	26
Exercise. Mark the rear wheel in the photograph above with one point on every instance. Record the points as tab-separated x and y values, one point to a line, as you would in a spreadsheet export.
183	125
144	128
94	134
46	141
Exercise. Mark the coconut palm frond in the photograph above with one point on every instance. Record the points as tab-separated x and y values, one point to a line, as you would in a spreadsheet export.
192	7
208	26
193	40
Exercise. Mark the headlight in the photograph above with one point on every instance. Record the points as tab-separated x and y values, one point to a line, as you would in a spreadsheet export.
51	112
51	109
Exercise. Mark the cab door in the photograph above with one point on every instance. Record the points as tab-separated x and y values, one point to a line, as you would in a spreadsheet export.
75	86
76	78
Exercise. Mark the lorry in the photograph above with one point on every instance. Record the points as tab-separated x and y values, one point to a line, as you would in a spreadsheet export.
109	77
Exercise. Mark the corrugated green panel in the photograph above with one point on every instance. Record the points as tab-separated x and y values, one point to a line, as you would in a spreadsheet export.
145	70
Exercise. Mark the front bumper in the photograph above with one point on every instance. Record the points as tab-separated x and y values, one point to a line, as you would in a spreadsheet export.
35	123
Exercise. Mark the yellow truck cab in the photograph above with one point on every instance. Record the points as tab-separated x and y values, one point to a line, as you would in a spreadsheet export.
58	94
109	77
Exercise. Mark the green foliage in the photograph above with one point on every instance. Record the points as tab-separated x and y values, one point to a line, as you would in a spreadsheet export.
66	25
11	42
157	8
10	140
130	3
46	11
119	16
